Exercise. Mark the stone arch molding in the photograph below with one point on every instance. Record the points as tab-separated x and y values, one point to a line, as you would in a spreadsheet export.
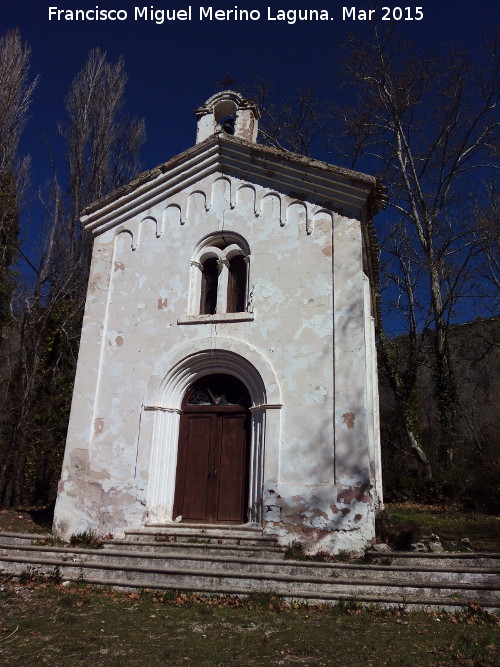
164	398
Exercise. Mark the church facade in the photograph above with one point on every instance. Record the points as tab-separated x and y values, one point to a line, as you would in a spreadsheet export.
227	368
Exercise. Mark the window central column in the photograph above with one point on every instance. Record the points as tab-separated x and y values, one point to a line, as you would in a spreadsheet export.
222	293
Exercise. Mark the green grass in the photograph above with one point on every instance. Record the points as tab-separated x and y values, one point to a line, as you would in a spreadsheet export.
451	525
82	625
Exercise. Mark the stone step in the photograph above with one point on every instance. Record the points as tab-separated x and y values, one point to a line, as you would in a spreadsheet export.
202	534
292	579
443	559
177	557
417	602
196	548
290	586
21	538
427	563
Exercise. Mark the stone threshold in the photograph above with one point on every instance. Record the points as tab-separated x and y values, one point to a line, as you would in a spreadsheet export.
204	526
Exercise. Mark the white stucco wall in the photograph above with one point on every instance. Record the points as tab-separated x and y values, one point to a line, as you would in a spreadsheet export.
309	342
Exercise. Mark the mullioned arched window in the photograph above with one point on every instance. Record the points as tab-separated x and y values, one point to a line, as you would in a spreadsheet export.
220	275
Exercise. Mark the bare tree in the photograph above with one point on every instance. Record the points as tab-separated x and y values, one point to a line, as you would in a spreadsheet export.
487	225
102	153
428	126
402	362
103	145
293	124
16	92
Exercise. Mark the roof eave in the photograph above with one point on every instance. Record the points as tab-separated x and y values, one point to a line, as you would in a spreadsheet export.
298	174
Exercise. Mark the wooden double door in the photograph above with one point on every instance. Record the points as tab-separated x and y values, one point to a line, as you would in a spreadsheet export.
212	462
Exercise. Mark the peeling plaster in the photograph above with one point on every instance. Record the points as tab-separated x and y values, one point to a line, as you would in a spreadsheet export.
348	418
308	327
318	395
98	425
327	251
361	494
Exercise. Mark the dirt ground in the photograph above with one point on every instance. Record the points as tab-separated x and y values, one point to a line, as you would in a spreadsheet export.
49	623
24	521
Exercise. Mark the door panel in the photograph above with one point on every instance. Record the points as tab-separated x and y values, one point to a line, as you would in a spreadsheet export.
211	467
232	465
193	467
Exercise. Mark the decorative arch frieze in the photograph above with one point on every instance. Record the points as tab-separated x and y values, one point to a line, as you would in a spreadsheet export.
148	222
323	213
196	206
223	194
241	198
318	217
125	232
172	215
296	213
222	191
271	208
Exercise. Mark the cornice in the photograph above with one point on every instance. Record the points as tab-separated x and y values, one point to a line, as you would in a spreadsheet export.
295	175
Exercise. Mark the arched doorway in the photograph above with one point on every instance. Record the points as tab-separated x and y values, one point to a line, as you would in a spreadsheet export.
213	454
159	432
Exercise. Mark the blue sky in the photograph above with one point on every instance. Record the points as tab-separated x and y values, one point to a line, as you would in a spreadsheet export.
175	67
